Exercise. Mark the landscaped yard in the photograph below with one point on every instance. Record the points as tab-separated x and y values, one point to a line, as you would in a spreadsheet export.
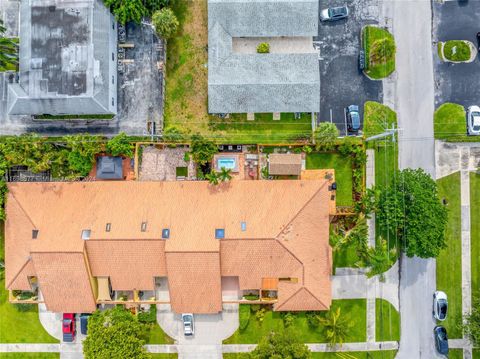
455	354
387	325
449	265
475	229
343	173
383	354
355	309
157	336
186	91
15	326
29	355
379	47
454	50
163	355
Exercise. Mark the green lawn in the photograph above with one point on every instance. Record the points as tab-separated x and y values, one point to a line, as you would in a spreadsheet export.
163	355
387	324
343	173
476	354
461	53
345	257
157	336
450	123
383	354
455	354
377	69
15	326
475	229
29	355
355	309
449	265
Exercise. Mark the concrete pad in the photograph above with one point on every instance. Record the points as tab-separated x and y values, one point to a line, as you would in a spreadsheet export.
250	116
276	116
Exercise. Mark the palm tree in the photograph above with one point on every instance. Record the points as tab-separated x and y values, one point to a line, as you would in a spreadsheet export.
225	174
356	236
213	178
379	259
336	327
8	49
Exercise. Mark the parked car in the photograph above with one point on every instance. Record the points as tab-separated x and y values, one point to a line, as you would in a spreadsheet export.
441	339
68	327
473	120
84	323
334	13
188	326
440	305
353	118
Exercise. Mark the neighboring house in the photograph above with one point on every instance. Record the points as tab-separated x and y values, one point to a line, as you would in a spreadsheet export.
183	243
240	80
285	164
67	59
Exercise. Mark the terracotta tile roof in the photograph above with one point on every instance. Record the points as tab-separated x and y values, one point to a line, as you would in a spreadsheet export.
284	164
130	264
273	229
64	282
20	281
194	282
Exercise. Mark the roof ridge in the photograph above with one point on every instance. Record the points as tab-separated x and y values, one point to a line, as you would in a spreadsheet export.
298	291
20	271
23	209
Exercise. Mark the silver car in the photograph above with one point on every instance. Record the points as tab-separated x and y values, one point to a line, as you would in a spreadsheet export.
473	121
188	326
334	13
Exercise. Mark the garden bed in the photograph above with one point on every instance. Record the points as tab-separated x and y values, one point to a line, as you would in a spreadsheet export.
457	51
379	47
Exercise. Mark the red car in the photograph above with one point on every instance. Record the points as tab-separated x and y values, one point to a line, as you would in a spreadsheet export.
68	327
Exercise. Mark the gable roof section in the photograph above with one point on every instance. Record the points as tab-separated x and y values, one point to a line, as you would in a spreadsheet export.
285	164
64	281
274	82
194	282
130	264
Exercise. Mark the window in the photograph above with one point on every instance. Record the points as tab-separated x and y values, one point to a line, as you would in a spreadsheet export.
34	233
219	233
86	234
108	226
166	233
144	227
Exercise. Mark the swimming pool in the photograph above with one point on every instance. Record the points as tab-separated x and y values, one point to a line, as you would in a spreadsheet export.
229	163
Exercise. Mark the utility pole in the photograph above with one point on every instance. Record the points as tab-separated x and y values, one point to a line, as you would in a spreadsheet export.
388	132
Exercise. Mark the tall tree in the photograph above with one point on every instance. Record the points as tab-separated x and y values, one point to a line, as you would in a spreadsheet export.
379	259
127	10
202	150
336	327
410	209
83	149
278	345
8	49
225	174
325	136
114	334
120	145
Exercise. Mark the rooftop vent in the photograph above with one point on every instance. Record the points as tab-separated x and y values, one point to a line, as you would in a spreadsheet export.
219	233
86	234
34	233
108	226
144	227
243	225
166	233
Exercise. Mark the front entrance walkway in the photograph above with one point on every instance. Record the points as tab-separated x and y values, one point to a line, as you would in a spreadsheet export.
210	331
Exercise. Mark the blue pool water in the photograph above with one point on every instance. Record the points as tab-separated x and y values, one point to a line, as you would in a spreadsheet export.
226	162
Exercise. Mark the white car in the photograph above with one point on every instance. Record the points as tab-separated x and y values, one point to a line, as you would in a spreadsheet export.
188	327
473	120
334	13
440	305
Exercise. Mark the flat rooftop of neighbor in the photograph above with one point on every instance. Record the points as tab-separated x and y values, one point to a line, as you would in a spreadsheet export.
61	56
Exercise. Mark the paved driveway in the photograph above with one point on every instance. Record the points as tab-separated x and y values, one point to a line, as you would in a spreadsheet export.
341	83
454	20
210	331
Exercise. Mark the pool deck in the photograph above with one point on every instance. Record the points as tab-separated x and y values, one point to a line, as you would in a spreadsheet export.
239	172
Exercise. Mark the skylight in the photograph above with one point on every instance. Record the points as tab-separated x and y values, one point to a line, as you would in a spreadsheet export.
219	233
86	234
34	233
166	233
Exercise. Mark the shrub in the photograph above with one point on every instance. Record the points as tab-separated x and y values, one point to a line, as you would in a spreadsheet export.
313	319
456	50
288	318
148	317
244	315
325	136
120	145
165	23
24	307
251	296
382	50
260	314
263	48
255	307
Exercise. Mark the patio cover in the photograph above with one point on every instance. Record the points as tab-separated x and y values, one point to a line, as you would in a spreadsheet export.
285	164
109	167
103	289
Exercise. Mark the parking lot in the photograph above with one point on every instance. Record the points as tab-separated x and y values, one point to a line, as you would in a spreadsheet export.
341	82
458	83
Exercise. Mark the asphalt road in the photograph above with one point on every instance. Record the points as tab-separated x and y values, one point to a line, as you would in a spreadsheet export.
413	96
458	83
341	83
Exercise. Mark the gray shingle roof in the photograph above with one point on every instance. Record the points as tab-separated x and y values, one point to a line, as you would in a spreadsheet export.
276	82
66	64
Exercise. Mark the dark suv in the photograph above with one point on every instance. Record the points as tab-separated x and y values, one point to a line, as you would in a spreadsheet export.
353	118
441	339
